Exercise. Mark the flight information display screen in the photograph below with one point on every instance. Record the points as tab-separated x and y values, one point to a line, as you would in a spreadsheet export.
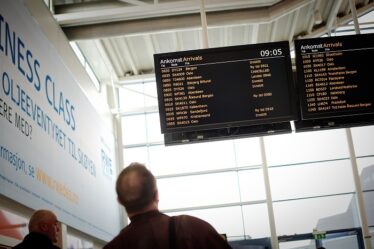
335	76
225	87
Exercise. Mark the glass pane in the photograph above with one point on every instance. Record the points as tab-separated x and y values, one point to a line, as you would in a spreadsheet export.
78	52
93	76
247	152
301	244
369	206
133	130
198	190
153	128
366	167
369	17
218	218
332	241
325	213
191	158
363	139
256	221
131	97
12	226
368	30
311	180
344	31
252	186
139	154
150	94
75	242
306	147
346	242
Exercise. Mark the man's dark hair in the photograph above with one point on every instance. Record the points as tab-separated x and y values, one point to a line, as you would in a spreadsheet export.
135	187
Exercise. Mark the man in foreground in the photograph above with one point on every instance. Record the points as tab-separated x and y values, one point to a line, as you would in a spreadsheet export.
43	231
149	228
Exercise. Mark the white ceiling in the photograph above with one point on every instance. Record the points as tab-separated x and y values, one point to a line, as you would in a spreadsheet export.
119	37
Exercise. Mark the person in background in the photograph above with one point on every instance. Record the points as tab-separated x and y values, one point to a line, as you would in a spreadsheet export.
149	228
43	231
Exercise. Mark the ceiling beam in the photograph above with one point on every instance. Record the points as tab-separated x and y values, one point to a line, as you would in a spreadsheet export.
106	60
333	14
295	17
339	21
273	31
314	11
129	55
112	54
134	2
82	15
150	44
254	37
184	22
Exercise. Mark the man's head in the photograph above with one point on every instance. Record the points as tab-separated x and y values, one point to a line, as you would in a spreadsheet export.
44	222
136	189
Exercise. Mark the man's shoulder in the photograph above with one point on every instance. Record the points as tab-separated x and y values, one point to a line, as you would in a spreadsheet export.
22	245
200	232
19	246
111	244
188	218
117	240
193	223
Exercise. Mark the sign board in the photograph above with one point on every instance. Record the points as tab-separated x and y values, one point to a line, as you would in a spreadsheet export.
225	87
55	152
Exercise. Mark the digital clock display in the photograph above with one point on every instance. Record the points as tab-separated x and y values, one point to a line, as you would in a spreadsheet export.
225	87
271	52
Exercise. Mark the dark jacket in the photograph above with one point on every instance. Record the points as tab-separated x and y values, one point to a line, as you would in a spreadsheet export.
36	241
151	231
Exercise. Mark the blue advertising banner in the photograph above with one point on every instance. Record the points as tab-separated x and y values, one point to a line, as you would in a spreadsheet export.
55	152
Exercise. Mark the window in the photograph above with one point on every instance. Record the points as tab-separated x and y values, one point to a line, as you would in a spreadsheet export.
85	64
310	173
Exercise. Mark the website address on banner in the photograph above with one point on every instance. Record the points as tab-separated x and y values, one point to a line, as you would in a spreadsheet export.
56	186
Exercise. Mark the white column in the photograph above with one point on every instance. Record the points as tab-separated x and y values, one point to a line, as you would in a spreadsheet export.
269	200
204	24
359	194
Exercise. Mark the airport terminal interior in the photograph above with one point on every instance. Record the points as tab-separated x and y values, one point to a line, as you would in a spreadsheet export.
286	184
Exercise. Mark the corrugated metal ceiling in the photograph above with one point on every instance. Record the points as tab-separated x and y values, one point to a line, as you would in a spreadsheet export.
119	38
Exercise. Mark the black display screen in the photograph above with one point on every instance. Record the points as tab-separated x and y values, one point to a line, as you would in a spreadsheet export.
225	87
176	138
335	77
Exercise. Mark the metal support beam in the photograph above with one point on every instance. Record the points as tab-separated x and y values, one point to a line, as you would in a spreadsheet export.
354	15
359	194
293	26
333	14
341	21
269	199
255	29
92	13
204	24
158	22
134	2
